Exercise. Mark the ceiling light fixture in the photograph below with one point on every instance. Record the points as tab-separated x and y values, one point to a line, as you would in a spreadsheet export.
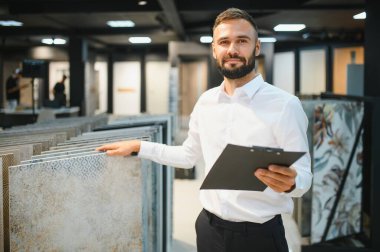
121	23
361	15
140	40
53	41
142	3
10	23
289	27
268	40
206	39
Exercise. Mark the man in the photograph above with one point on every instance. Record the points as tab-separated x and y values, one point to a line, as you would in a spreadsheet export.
13	89
59	92
243	110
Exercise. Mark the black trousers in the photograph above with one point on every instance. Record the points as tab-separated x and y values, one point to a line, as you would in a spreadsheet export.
217	235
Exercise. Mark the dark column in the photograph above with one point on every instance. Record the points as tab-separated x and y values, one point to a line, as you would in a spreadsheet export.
372	89
297	72
2	81
143	84
329	69
45	91
78	53
110	83
267	50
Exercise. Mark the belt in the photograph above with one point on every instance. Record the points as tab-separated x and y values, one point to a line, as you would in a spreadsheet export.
244	226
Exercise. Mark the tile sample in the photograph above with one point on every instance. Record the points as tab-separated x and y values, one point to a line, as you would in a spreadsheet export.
7	160
336	126
1	211
91	203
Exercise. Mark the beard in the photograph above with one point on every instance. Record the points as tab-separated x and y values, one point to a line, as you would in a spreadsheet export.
238	72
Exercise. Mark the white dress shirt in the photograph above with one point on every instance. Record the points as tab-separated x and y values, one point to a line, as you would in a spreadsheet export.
256	114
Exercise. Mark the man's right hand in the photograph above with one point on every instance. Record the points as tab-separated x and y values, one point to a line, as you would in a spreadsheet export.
124	148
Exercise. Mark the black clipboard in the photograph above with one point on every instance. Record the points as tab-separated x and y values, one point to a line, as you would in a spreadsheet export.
234	169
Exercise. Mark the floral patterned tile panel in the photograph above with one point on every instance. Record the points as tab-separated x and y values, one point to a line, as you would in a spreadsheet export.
335	127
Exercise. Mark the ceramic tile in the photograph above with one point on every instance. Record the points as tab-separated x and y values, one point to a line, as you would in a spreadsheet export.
7	160
16	154
37	148
59	157
26	151
335	128
1	210
91	203
45	141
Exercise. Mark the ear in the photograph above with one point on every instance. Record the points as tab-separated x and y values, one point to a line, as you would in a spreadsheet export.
258	47
213	50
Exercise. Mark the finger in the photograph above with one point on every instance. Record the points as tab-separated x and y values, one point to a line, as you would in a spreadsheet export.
107	147
278	183
281	178
267	182
113	152
275	187
288	171
282	183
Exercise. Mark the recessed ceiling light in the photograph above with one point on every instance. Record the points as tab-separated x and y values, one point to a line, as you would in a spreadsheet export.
289	27
140	40
268	40
48	41
142	2
59	41
55	41
362	15
121	23
10	23
205	39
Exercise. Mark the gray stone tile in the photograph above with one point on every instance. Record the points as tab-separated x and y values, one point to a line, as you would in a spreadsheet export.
92	203
7	161
1	211
26	151
59	157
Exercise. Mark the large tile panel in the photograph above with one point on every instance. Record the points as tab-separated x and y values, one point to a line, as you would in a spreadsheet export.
90	203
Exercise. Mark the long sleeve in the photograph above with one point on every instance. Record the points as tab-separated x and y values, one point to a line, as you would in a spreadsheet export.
292	128
183	156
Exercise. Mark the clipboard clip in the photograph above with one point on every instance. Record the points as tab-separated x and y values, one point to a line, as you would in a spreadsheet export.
267	149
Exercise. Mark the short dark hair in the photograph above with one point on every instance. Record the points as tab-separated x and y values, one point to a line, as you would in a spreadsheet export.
234	13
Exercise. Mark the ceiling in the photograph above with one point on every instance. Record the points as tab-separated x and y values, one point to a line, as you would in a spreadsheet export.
168	20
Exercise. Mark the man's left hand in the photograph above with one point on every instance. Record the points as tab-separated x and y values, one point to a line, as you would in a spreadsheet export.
279	178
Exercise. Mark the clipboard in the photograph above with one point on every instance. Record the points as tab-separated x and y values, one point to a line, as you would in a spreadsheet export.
234	168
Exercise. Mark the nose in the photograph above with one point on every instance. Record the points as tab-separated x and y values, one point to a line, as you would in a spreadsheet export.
232	49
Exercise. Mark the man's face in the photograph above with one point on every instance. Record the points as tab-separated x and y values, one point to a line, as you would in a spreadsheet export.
235	48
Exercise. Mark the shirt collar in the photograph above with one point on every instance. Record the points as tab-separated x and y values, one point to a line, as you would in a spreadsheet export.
249	89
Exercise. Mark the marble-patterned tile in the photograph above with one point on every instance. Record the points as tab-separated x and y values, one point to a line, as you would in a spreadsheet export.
45	143
7	161
37	148
1	210
26	151
60	156
15	152
92	203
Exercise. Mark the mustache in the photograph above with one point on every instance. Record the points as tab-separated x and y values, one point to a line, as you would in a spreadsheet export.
233	57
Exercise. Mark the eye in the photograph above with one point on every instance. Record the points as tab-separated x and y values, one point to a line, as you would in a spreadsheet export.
223	42
242	41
